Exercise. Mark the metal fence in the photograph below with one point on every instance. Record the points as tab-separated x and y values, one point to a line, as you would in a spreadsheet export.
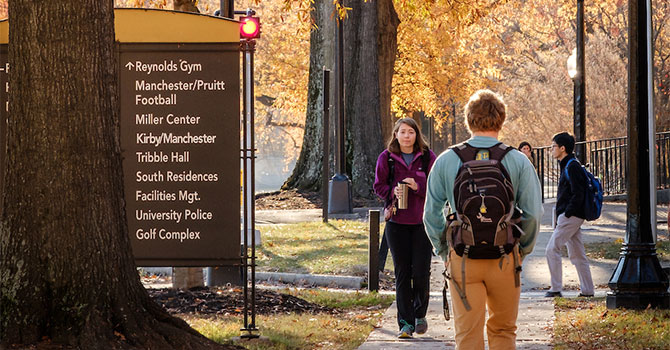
606	159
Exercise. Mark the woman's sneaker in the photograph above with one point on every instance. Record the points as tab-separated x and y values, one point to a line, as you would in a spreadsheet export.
421	325
406	332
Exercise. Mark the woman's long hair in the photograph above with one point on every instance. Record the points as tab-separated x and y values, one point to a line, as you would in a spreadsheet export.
420	144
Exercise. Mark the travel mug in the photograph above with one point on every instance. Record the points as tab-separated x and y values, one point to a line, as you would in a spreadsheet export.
402	199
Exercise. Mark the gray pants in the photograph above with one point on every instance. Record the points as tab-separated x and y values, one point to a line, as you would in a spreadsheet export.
568	233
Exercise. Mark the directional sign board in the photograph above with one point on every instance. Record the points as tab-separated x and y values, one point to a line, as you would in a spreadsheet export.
180	137
180	143
179	84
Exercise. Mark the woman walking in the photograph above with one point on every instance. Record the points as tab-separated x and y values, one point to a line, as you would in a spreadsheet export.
400	179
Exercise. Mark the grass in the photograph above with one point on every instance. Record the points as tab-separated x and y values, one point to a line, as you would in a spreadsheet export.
588	324
341	300
611	250
360	313
337	247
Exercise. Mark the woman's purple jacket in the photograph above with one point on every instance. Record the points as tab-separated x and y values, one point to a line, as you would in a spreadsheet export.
413	215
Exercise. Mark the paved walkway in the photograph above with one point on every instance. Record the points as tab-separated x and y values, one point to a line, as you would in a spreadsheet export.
535	314
535	311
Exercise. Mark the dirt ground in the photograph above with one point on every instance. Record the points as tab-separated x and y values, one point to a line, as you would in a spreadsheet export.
203	300
294	199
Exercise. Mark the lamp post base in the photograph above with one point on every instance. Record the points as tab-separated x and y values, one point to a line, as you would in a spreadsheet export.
638	280
638	301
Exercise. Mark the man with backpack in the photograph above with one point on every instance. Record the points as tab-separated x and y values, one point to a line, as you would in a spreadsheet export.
570	212
495	208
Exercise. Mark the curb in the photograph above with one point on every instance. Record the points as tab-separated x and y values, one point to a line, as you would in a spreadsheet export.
349	282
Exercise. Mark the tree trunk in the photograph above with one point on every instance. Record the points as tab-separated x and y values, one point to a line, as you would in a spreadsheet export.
370	51
363	101
387	46
185	6
307	172
67	274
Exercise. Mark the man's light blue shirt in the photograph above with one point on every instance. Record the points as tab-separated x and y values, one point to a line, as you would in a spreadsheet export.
440	191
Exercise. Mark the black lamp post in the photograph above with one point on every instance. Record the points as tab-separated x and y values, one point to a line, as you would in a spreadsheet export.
638	280
339	191
576	70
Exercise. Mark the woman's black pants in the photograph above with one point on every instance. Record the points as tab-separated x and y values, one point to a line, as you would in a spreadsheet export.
411	253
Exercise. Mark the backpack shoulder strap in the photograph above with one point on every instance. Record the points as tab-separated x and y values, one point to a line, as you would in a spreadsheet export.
425	161
498	151
567	176
465	152
391	164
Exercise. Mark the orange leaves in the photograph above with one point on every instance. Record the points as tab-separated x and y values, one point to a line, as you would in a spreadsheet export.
443	54
156	4
340	9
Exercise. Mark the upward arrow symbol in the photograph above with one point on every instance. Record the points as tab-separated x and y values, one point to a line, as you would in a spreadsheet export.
129	65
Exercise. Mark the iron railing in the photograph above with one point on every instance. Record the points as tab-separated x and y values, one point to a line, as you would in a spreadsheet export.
606	159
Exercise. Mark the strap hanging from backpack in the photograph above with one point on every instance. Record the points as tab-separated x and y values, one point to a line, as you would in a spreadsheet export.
517	267
461	292
445	300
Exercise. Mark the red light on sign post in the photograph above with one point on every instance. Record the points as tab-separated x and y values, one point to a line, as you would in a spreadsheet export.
250	27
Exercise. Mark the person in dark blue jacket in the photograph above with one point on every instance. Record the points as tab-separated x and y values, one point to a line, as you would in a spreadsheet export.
570	216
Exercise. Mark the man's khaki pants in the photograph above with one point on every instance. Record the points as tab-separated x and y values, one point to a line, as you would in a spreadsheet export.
568	233
487	285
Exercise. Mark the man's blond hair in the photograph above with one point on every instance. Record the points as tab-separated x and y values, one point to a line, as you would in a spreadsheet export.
485	111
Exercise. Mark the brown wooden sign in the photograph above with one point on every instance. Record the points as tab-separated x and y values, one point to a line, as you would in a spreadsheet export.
180	141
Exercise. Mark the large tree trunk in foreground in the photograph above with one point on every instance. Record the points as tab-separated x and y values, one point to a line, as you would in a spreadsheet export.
370	50
67	275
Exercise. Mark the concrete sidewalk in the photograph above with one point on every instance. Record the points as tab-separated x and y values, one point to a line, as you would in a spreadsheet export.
535	315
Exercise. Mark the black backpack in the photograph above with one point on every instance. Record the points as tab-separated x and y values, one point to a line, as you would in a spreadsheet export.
593	198
484	223
484	199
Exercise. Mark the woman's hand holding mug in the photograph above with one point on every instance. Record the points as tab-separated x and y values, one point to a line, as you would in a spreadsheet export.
411	183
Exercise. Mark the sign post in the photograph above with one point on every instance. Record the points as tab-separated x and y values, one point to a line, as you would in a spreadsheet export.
249	30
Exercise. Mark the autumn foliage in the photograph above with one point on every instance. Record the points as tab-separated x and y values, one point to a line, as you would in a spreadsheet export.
448	49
